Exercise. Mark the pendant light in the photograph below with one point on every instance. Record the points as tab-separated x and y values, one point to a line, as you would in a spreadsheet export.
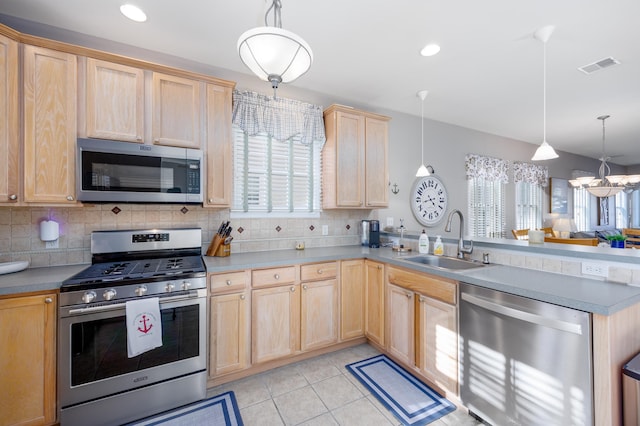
544	151
422	170
274	54
606	185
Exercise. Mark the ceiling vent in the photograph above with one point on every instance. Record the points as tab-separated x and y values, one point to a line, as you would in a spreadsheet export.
599	65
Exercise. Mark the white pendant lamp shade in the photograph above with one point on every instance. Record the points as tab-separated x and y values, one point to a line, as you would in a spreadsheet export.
422	170
274	53
544	151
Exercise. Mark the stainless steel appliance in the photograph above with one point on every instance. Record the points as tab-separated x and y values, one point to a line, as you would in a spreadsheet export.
522	361
97	383
365	233
110	171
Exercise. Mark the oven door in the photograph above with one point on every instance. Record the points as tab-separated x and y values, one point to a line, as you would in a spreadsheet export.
92	345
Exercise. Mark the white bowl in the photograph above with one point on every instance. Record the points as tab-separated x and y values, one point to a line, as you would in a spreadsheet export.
8	267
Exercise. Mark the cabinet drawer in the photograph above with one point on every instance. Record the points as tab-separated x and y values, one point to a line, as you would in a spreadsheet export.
425	284
231	281
318	271
273	276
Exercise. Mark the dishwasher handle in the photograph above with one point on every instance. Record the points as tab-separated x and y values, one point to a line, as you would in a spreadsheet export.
522	315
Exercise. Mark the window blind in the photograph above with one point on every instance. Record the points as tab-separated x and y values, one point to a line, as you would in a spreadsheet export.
530	181
486	178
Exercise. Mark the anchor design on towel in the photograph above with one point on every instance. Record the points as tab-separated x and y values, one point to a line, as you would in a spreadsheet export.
145	328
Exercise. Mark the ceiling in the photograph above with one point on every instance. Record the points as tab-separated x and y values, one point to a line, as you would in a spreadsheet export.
488	75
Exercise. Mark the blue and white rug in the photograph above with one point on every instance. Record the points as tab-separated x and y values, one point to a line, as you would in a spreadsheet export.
410	400
221	410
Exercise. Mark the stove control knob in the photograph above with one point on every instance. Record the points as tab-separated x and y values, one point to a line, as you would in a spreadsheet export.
109	294
89	296
186	285
169	287
141	290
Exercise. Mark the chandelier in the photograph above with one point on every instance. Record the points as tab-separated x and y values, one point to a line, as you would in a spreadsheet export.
606	185
274	54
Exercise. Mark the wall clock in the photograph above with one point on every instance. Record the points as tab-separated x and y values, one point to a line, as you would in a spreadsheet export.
429	200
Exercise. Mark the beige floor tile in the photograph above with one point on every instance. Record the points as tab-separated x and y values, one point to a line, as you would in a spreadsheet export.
337	391
299	406
323	420
261	414
249	391
360	413
317	369
283	380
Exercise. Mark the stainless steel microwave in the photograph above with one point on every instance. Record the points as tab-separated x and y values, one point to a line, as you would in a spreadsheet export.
111	171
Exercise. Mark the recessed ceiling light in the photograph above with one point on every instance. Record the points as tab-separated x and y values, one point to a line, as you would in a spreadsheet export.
430	50
133	12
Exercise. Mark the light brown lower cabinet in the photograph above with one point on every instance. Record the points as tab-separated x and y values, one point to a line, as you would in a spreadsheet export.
318	314
275	322
352	303
374	302
422	327
28	360
229	333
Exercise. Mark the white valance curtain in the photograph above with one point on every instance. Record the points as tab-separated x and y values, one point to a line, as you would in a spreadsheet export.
530	173
279	118
488	168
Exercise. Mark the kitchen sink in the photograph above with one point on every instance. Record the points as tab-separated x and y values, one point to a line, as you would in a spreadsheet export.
443	262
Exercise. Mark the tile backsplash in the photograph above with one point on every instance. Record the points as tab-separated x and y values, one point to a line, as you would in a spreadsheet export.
20	228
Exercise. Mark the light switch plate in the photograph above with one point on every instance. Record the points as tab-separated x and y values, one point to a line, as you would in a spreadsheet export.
51	244
595	269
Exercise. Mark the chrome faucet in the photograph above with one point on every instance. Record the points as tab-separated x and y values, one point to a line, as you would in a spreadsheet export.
462	249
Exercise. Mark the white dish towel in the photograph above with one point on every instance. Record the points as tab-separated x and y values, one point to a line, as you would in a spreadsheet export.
144	326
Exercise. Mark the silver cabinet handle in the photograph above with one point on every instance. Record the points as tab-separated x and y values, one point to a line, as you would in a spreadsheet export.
304	287
320	271
408	295
13	197
421	299
292	289
138	138
379	266
228	282
69	197
276	276
210	200
48	300
242	297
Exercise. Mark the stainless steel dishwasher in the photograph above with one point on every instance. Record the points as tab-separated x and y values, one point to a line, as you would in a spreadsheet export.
522	361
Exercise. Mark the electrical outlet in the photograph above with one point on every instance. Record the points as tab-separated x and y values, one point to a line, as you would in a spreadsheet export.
325	229
596	269
51	244
389	221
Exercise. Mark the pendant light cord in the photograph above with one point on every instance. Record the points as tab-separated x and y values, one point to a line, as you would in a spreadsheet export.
277	18
422	131
544	91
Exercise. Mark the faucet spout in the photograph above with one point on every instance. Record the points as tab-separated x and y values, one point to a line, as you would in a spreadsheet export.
462	249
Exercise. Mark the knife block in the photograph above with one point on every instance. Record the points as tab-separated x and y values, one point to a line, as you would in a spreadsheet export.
223	250
214	245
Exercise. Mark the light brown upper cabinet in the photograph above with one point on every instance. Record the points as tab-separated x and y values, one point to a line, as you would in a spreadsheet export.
49	120
114	101
9	124
355	159
218	146
176	111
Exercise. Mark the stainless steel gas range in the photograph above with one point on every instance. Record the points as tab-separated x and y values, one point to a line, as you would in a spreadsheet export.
98	383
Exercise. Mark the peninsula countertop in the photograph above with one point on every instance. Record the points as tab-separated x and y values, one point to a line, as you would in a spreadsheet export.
580	293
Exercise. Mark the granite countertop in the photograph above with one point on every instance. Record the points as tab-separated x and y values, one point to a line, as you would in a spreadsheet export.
574	292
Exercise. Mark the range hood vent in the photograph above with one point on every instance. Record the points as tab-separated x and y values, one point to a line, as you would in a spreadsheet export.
599	65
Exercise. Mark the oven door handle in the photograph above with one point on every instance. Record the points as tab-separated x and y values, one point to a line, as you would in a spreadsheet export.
191	295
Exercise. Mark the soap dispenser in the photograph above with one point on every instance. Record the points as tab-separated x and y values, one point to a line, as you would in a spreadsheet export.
423	243
438	247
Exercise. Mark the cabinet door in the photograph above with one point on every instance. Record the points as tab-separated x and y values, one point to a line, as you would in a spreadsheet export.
352	285
374	302
319	314
400	324
376	167
27	360
50	86
115	101
229	333
9	125
437	350
350	134
219	147
176	111
275	322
